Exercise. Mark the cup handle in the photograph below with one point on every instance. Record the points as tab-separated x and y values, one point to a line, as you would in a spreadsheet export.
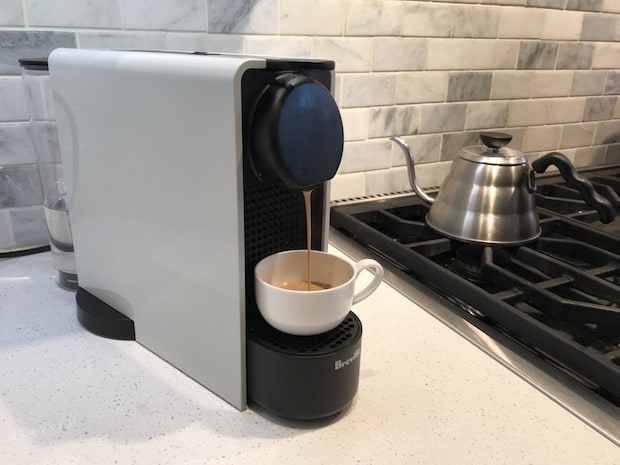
374	284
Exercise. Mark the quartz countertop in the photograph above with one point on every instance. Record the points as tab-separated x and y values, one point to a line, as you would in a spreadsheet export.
426	396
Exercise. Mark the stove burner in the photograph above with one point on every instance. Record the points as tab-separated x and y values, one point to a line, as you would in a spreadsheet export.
470	260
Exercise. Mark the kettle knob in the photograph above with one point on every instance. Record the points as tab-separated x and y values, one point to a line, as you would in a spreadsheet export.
495	140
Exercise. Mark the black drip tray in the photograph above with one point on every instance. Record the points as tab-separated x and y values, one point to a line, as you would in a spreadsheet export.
304	377
319	344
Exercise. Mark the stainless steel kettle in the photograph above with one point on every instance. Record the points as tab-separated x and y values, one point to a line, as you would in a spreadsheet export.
488	195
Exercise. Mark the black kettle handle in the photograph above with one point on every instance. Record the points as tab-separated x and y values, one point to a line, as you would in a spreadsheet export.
606	211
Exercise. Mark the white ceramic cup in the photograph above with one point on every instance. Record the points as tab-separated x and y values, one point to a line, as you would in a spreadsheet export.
310	312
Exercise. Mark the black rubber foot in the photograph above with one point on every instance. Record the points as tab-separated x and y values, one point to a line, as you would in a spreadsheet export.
101	319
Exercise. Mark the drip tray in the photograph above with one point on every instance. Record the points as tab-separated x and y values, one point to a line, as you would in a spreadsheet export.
304	377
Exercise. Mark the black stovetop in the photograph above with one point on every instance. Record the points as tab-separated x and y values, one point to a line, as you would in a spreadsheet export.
559	296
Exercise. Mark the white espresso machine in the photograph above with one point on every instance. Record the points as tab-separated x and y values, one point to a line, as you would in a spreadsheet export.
184	170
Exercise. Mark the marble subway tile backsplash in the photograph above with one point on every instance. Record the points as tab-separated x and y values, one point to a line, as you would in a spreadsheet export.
435	72
588	82
551	84
577	135
427	19
11	13
16	145
28	225
15	44
534	54
138	40
12	100
375	154
457	54
607	133
243	16
389	120
600	27
19	186
486	115
613	83
353	54
422	87
565	110
599	108
22	222
606	55
311	17
562	25
575	56
368	89
521	23
469	86
183	15
512	84
530	112
476	22
397	53
371	18
442	117
74	13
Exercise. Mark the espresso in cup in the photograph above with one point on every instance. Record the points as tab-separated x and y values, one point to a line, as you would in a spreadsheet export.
304	285
283	299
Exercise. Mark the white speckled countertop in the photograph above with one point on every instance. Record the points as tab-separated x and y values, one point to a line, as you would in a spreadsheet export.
426	396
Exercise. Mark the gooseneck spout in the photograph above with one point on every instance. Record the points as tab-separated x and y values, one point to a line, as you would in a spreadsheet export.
411	169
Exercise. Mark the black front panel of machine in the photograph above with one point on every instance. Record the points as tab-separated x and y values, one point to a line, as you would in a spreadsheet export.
274	216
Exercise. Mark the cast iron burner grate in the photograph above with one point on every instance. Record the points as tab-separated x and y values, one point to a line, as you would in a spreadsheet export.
559	296
565	200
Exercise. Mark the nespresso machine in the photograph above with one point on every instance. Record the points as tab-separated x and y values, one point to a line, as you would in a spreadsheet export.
183	171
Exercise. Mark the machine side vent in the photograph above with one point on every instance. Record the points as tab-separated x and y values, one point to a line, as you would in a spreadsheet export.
273	221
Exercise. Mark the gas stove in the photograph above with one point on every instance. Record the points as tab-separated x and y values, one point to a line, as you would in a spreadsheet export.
549	309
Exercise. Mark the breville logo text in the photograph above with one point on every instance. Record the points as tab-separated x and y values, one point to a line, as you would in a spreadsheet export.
343	363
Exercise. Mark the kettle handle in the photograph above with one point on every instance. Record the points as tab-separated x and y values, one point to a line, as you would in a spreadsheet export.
606	211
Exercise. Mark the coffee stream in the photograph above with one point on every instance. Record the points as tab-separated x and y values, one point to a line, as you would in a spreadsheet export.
307	285
307	196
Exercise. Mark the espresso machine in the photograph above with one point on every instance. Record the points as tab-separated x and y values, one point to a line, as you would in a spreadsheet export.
183	171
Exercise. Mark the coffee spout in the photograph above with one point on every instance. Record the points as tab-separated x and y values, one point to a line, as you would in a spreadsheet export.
411	169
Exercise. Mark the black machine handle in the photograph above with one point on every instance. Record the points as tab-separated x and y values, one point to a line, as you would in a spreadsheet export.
296	132
606	211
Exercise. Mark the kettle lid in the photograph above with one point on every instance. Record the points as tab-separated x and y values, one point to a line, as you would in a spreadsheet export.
493	152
